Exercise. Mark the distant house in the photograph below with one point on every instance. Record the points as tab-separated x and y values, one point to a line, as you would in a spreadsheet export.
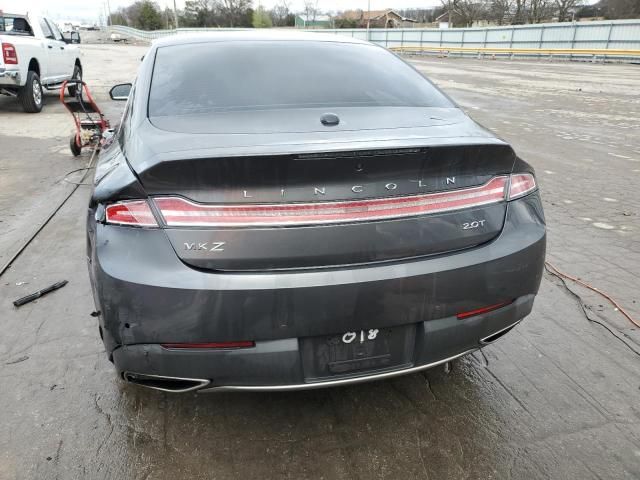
445	21
376	19
483	22
309	21
590	19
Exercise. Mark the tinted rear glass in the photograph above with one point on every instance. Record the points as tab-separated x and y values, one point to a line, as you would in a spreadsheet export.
222	76
15	26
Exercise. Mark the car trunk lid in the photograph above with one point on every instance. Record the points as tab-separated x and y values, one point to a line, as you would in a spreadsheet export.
334	192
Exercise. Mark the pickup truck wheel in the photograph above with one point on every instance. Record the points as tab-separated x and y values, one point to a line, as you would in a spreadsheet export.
31	94
77	75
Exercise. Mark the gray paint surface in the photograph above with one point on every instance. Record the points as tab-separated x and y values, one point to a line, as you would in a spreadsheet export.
557	397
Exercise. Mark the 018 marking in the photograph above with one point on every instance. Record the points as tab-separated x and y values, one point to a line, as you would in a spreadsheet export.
349	337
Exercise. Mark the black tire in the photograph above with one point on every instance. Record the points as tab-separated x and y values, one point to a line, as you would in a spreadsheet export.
77	75
73	145
31	94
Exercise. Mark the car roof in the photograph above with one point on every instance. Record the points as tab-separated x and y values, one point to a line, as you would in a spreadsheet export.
254	35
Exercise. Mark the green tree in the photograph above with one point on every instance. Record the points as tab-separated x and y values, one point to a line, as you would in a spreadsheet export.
143	14
622	8
217	13
346	23
235	12
200	13
464	12
119	18
245	20
149	16
279	13
500	9
261	18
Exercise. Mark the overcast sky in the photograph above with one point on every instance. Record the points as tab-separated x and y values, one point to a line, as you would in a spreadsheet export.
90	9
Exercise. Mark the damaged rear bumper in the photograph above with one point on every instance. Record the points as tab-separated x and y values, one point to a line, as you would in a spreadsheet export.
148	297
278	365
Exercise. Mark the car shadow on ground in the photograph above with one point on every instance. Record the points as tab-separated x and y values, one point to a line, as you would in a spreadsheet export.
10	104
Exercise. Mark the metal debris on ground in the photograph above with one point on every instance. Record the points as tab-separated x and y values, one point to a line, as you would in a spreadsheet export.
40	293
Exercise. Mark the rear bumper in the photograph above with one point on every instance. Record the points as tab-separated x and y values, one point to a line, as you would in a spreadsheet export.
9	78
146	297
276	365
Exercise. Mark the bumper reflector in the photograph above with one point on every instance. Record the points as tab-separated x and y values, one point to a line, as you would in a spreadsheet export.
479	311
210	345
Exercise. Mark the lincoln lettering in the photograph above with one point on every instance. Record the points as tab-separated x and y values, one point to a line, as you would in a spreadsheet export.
319	191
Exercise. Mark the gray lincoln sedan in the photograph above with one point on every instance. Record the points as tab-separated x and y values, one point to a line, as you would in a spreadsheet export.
283	211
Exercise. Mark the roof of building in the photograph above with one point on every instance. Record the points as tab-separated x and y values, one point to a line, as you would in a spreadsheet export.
371	15
317	18
444	16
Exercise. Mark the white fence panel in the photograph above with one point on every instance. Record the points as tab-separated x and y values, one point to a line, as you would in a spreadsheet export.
616	35
499	37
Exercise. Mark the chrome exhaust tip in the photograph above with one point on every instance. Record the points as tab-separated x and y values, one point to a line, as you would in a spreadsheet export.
496	335
165	384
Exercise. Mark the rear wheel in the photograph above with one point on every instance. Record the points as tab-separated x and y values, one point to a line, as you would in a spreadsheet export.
77	75
31	94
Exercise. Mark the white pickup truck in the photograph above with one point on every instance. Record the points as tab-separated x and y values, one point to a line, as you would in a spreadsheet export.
35	55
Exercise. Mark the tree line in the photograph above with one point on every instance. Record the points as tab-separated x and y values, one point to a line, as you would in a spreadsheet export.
519	12
147	14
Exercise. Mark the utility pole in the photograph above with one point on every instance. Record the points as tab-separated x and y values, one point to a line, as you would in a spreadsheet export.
109	22
175	12
368	19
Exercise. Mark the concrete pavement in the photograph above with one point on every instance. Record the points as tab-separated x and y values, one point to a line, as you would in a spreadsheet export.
557	397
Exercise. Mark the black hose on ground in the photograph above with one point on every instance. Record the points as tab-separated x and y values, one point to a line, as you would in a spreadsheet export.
15	256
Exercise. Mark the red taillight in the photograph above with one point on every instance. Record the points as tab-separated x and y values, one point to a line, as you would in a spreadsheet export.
210	345
479	311
181	212
521	184
9	54
136	212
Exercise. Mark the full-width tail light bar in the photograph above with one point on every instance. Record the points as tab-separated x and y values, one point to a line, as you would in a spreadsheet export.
9	54
180	212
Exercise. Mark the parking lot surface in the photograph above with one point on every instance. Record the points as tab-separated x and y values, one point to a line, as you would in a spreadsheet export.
558	397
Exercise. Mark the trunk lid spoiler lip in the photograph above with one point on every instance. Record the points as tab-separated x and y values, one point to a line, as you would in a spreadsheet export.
152	146
302	121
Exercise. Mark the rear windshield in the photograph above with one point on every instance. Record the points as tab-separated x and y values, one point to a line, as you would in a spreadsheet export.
10	25
224	76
